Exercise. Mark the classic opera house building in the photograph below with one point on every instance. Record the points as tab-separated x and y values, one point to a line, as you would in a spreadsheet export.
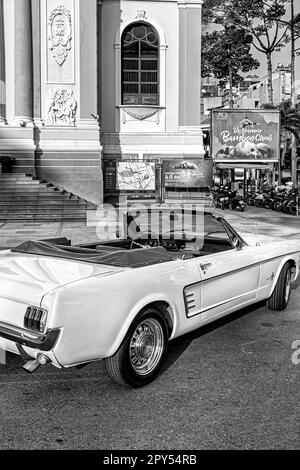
86	83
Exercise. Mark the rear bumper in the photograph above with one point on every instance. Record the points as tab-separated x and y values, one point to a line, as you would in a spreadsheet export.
43	342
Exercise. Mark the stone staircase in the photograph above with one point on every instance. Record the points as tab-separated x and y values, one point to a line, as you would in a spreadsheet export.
23	198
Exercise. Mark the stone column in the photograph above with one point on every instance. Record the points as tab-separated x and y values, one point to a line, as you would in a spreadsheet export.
36	61
23	62
189	63
88	62
2	68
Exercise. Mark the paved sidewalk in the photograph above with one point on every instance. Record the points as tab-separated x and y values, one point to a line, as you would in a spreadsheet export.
254	220
264	222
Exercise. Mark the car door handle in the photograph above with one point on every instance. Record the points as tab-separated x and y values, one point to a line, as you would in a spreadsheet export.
204	266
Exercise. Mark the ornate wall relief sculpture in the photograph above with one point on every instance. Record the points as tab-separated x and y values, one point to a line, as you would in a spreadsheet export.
60	33
62	107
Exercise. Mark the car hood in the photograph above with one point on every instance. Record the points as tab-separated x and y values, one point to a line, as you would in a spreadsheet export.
27	278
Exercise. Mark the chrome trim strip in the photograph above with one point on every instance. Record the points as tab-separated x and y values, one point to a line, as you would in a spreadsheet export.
219	304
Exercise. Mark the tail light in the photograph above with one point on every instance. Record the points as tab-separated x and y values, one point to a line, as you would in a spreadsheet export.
35	319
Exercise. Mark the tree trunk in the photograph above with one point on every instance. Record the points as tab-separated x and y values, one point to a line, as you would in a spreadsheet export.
270	79
230	88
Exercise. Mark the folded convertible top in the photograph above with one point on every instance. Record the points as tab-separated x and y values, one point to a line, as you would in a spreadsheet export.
123	258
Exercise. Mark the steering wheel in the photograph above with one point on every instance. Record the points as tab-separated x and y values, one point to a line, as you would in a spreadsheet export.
139	236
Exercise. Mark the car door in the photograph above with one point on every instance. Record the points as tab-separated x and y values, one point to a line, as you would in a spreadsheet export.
229	276
230	279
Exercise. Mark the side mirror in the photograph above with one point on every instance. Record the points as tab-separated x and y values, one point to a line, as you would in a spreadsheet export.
236	243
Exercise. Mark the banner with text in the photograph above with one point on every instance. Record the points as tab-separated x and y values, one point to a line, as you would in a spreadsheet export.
187	173
243	135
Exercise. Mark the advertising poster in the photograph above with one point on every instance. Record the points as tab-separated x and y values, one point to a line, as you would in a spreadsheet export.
243	135
188	173
135	176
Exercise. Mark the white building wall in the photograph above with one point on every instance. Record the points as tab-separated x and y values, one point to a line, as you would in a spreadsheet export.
116	15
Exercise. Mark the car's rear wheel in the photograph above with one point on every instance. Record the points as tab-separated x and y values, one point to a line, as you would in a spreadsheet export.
139	358
281	294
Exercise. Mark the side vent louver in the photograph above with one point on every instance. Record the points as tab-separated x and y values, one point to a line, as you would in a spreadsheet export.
192	299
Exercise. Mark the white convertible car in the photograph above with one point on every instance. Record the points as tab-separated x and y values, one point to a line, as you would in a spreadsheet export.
122	300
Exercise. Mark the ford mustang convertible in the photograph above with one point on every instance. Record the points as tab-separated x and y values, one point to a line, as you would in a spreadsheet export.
122	300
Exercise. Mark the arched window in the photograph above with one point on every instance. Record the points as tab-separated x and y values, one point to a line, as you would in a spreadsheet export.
140	65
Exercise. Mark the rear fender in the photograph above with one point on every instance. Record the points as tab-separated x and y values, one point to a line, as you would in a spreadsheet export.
135	311
294	260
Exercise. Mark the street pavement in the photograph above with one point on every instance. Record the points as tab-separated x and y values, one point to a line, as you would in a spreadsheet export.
230	385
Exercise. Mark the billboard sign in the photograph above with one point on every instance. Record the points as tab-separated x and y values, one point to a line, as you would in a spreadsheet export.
239	135
187	173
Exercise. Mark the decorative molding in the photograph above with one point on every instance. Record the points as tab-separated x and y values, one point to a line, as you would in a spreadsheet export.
190	4
141	15
62	107
60	33
140	113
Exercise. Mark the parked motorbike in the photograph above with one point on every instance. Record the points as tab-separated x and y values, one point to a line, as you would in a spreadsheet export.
250	198
221	198
290	204
236	201
269	197
294	206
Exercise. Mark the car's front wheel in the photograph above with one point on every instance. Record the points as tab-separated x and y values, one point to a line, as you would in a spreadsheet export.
139	358
281	293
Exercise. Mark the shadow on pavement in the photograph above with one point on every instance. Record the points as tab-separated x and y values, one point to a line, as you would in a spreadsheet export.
178	346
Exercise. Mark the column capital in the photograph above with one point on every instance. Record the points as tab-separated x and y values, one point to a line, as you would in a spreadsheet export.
190	3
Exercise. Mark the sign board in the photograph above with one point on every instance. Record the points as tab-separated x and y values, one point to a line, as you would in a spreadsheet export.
135	176
240	135
190	173
132	178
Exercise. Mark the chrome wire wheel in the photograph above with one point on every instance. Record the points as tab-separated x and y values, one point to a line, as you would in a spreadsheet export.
146	346
141	354
288	282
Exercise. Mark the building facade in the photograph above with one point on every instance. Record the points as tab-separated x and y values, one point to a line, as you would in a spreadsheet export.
86	82
257	94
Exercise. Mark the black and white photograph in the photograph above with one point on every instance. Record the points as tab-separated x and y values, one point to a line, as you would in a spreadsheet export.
149	230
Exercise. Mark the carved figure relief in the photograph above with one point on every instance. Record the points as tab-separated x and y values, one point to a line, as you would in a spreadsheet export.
62	107
60	33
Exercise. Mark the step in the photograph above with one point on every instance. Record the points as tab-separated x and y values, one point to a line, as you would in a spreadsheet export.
32	194
45	212
26	182
29	187
10	176
44	203
40	217
41	210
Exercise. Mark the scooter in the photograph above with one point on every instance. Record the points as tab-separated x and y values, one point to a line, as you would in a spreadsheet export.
221	198
236	201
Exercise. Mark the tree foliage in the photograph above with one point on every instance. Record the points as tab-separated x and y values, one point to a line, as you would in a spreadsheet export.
259	18
227	52
289	117
297	32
